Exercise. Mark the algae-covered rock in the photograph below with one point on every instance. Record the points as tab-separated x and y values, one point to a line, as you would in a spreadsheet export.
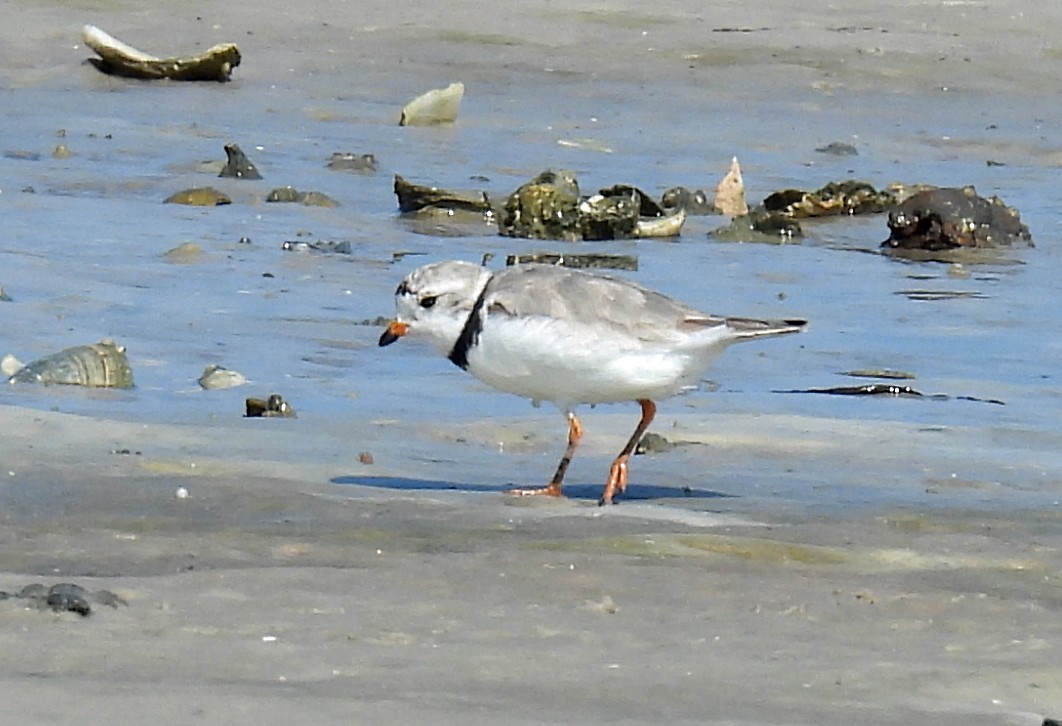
101	365
199	197
759	225
357	163
844	197
547	207
310	199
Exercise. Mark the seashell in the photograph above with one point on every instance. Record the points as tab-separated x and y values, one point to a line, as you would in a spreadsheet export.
102	365
10	365
438	106
669	226
215	377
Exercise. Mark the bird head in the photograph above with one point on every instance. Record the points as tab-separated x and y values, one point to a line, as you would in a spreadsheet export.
434	301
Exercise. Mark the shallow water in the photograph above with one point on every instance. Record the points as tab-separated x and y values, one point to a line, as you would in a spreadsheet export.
82	253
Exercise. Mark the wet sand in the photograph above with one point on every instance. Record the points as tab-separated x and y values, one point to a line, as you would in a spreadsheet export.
779	568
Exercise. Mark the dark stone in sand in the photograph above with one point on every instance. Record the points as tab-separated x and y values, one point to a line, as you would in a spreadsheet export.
66	597
238	165
838	148
694	202
653	444
273	407
310	199
359	163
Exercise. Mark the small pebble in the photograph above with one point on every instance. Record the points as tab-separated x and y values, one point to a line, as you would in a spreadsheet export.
181	493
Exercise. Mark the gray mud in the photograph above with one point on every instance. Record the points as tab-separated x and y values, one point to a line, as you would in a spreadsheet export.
798	559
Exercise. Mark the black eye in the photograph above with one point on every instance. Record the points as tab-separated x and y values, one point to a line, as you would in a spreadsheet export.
427	302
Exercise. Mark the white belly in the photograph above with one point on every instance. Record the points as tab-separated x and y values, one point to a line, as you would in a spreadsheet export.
538	359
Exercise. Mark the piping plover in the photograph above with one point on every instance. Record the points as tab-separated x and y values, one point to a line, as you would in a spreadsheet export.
569	337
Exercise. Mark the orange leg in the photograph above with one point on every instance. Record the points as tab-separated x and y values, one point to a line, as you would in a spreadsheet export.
553	489
617	475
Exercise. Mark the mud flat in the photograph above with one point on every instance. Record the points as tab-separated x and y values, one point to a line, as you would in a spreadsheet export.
795	559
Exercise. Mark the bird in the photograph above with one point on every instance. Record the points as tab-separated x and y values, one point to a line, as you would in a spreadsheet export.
570	337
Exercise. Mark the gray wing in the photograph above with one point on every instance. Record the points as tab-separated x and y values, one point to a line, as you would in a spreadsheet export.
579	298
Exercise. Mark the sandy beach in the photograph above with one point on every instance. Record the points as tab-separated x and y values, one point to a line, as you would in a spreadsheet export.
795	560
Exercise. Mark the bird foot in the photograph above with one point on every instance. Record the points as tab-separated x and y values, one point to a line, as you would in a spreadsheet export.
552	490
617	481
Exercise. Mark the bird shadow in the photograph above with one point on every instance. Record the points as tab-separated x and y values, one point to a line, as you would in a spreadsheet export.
592	492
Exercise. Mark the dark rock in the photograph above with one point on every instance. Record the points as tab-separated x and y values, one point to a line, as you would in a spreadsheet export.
419	197
951	218
694	202
838	148
358	163
844	197
272	407
238	165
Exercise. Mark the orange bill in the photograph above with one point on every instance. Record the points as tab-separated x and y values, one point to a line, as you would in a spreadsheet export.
394	331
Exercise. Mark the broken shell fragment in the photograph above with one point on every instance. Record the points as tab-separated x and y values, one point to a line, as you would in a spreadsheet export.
438	106
730	193
101	365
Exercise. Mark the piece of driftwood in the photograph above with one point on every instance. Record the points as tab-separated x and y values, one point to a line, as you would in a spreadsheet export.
120	59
